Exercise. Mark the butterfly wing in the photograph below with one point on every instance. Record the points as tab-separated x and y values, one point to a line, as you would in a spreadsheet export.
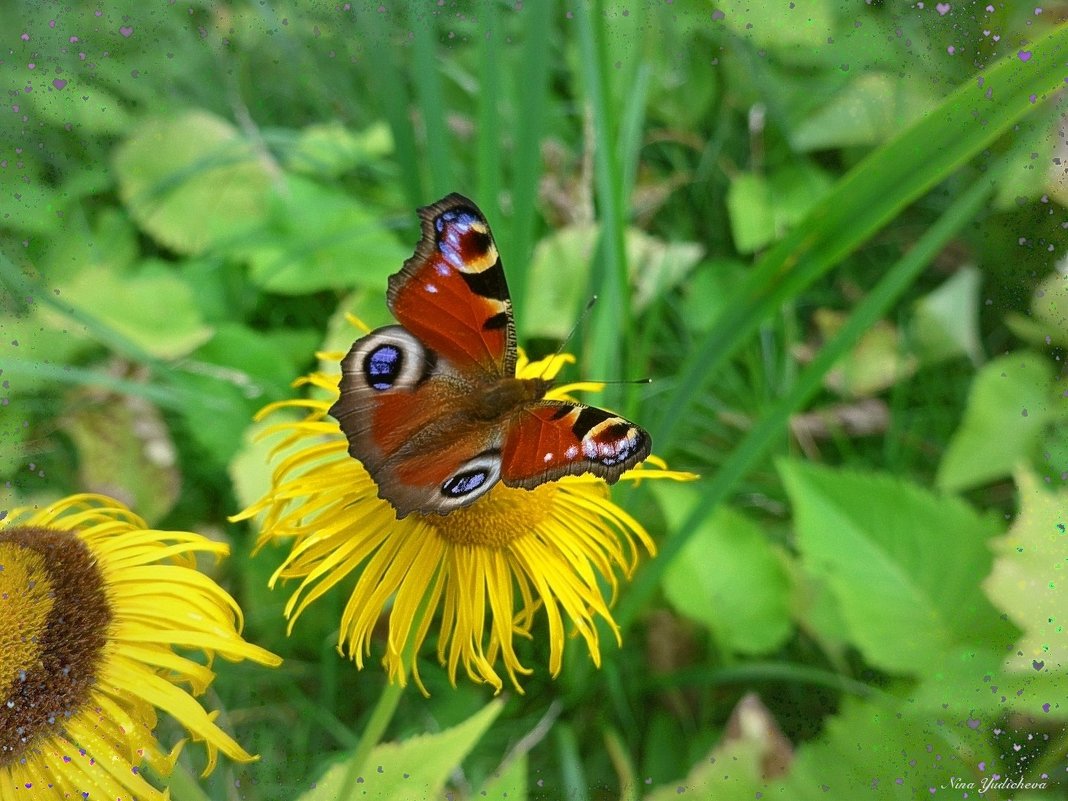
452	294
407	414
549	439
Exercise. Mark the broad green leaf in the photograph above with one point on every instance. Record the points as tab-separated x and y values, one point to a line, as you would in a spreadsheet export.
330	149
1008	405
321	238
152	306
415	768
112	245
731	772
192	181
727	577
707	292
802	25
903	563
868	110
82	105
945	322
558	282
872	751
1030	577
37	337
510	784
124	450
763	208
876	362
1048	322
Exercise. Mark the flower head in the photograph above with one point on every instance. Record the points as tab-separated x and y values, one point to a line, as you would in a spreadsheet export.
92	606
489	566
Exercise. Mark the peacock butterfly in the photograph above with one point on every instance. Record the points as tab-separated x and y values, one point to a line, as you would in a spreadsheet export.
432	407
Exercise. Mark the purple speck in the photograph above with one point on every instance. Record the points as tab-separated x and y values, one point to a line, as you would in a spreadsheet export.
1037	665
25	37
982	767
973	723
1033	98
1025	55
951	50
1045	707
59	83
943	8
990	9
73	39
126	30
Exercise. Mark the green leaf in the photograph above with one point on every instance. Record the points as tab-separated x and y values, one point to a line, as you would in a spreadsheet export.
320	238
762	209
124	451
192	181
415	768
1008	405
877	361
868	110
873	751
83	106
330	150
1030	577
803	25
945	322
510	785
731	772
727	576
903	563
151	307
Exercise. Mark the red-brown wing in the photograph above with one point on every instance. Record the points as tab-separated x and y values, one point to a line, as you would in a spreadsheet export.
550	439
452	293
405	412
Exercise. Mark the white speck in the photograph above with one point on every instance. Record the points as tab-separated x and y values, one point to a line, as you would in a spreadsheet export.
433	290
571	452
548	458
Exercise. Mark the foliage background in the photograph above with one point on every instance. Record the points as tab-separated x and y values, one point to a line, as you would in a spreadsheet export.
832	232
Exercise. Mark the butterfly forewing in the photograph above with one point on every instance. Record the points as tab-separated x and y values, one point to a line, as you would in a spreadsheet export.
452	293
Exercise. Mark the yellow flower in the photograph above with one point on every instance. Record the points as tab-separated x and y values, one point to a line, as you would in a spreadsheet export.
489	567
92	606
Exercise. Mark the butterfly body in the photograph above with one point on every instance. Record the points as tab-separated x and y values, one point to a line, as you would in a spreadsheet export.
433	408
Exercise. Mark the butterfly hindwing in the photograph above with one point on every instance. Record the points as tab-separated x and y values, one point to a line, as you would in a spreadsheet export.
407	415
452	292
550	439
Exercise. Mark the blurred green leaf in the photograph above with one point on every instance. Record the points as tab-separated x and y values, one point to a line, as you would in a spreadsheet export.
510	785
876	362
124	451
801	25
1027	582
867	111
84	105
945	321
1048	322
151	307
1008	405
903	563
873	751
192	181
731	772
762	208
320	238
329	149
415	768
727	576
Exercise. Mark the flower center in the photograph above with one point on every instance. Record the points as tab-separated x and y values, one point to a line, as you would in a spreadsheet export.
54	617
497	519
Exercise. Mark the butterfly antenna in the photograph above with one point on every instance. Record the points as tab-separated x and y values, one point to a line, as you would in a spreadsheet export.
582	316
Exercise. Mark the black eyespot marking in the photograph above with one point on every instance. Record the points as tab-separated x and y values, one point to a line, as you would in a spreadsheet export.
499	320
464	483
382	365
479	241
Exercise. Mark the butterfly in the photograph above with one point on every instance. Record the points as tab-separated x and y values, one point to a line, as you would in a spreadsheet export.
432	407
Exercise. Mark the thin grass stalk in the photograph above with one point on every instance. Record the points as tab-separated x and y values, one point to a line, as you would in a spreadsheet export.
531	95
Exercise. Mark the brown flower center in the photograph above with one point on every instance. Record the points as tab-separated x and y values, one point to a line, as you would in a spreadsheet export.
54	617
500	517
